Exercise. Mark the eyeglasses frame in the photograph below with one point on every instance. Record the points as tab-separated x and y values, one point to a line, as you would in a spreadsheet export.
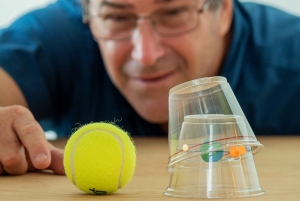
86	17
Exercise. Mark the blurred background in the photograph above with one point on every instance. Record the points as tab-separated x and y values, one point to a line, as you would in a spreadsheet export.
12	9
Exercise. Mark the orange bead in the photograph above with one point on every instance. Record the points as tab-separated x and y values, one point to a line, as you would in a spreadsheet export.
237	151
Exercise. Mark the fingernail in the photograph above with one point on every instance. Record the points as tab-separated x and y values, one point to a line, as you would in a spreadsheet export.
41	157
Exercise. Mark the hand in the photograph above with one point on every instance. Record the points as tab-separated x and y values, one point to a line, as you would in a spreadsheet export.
23	145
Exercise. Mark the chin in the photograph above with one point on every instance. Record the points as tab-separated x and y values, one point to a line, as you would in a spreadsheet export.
156	120
156	116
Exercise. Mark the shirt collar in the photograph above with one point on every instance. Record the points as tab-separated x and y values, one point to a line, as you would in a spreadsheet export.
233	63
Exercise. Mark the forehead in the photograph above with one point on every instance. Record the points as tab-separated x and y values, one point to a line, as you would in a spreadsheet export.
137	4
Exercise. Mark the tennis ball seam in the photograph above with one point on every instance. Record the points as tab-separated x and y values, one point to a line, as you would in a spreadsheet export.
75	145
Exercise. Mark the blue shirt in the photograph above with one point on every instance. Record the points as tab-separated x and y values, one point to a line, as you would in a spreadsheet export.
52	56
263	67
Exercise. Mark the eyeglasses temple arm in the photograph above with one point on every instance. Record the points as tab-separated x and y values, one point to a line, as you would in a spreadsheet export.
205	6
85	11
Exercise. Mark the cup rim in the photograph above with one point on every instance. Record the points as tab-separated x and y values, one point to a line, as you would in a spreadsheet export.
196	82
213	118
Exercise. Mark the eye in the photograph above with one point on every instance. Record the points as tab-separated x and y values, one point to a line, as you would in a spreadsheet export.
173	17
174	12
117	18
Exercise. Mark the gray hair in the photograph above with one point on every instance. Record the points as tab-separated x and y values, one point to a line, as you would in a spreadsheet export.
215	4
85	11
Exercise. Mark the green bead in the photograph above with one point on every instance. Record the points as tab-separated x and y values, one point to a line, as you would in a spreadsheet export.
213	156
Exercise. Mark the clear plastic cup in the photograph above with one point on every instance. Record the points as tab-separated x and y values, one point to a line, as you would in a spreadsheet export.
230	178
211	142
211	95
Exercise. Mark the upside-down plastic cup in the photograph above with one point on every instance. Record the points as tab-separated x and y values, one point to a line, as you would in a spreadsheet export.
225	179
211	143
204	96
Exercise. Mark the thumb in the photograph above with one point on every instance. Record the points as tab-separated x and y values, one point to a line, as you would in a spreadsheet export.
57	160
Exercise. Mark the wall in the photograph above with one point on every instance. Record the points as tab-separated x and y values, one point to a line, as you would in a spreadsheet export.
12	9
292	6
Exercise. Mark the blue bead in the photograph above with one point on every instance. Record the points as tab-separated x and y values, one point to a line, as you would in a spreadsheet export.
213	156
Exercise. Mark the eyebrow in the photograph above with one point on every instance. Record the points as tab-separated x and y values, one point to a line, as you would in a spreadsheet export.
115	5
124	6
163	1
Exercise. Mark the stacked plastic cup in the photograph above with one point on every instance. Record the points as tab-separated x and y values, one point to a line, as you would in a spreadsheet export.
211	143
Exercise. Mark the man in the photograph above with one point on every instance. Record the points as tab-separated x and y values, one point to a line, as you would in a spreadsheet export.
51	64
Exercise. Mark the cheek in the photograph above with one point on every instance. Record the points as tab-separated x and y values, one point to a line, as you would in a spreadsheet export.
114	55
192	48
198	48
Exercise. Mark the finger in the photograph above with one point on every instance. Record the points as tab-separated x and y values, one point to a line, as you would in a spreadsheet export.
57	161
13	161
31	168
12	156
32	137
1	169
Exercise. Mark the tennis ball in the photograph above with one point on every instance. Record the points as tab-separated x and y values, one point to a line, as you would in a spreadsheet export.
99	158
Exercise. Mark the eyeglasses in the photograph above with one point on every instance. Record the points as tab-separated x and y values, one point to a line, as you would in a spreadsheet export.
167	22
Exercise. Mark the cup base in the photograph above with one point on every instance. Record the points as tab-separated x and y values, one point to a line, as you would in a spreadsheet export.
213	195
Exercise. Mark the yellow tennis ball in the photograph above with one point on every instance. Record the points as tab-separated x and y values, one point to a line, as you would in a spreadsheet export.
99	158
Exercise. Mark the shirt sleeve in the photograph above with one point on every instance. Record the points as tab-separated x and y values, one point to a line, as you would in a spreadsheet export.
39	51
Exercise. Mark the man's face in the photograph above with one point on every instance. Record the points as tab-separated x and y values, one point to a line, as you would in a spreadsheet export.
147	65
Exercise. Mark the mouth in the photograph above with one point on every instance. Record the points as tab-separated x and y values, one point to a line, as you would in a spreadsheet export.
154	78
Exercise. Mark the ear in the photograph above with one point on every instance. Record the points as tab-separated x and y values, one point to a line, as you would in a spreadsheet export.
226	15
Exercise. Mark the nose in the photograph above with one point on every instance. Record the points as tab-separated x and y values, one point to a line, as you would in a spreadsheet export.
147	44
